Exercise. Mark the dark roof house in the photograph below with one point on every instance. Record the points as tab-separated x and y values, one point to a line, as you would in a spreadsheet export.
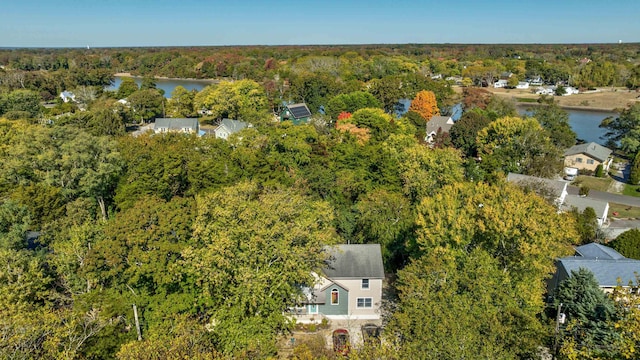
297	113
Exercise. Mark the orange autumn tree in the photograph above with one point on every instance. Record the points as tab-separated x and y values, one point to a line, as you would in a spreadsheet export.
343	124
425	104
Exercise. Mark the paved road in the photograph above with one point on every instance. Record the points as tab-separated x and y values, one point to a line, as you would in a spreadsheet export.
605	196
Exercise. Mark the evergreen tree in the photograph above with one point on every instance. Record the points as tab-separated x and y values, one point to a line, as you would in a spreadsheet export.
590	331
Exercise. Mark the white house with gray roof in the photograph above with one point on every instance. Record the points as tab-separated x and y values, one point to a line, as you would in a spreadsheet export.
588	157
580	203
228	127
552	190
437	124
608	266
349	288
183	125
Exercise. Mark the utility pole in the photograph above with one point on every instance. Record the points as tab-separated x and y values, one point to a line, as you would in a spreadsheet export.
555	343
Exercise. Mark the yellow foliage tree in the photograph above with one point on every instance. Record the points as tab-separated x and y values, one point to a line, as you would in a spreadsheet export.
425	104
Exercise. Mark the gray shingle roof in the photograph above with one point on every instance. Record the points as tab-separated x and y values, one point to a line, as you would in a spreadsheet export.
438	122
581	203
558	187
591	149
606	264
597	251
233	126
355	261
176	123
606	272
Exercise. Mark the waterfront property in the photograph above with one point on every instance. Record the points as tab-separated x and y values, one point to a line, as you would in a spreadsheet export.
588	157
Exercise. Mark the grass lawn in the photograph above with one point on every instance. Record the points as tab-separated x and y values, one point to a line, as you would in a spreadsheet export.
624	211
631	190
593	183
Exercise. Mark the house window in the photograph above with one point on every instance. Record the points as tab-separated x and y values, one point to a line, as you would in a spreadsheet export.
364	303
590	161
365	284
579	160
335	297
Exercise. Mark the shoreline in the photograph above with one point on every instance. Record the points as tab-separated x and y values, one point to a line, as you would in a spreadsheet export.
127	74
569	107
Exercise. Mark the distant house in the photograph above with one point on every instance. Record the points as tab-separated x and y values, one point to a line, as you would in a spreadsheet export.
607	265
536	81
296	113
506	75
522	85
546	91
500	83
570	91
435	124
350	287
552	190
67	96
182	125
588	157
600	207
228	127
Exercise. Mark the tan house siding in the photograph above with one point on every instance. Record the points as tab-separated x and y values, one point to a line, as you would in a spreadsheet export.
355	291
581	161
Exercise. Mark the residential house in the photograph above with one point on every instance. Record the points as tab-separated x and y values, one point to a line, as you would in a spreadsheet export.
296	113
350	287
546	91
579	203
609	267
536	81
228	127
552	190
522	85
569	90
435	124
500	83
588	157
183	125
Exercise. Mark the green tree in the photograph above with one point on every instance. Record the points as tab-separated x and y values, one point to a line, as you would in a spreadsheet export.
586	224
590	331
242	99
351	102
388	90
512	144
127	87
181	103
625	128
627	244
555	121
26	101
146	104
634	175
254	250
465	131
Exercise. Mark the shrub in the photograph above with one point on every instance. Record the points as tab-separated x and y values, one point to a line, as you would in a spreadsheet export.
584	190
599	171
17	115
627	244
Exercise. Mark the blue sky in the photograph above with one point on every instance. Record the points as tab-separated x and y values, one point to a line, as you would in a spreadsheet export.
99	23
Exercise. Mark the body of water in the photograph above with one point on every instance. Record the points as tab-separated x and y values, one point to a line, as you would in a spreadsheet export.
166	84
585	123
